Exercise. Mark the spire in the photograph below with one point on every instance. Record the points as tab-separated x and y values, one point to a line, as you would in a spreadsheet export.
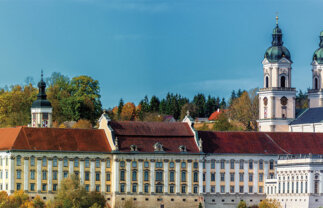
42	87
277	35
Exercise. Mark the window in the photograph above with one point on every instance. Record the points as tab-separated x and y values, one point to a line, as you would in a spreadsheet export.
171	176
250	164
146	176
108	166
183	189
108	178
212	189
195	189
97	163
44	162
122	175
0	173
159	165
87	176
108	189
261	177
241	164
159	176
54	187
250	177
134	175
183	165
195	165
122	188
212	176
306	187
171	189
134	188
32	174
6	174
55	175
55	162
18	160
250	189
159	189
267	82
282	81
97	176
231	189
241	177
32	187
97	188
203	176
203	164
232	164
241	189
222	176
76	162
146	188
261	165
195	177
76	173
231	177
222	189
261	189
18	186
65	174
271	165
87	163
18	174
44	175
32	161
122	164
213	164
222	164
65	162
87	187
134	164
183	176
146	164
316	85
44	187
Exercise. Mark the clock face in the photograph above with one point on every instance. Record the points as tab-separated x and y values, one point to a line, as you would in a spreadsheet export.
283	100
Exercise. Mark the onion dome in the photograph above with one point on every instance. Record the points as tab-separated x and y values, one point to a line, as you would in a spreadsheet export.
277	51
318	54
41	97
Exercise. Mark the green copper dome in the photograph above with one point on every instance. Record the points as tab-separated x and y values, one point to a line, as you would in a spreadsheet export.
41	101
277	51
318	54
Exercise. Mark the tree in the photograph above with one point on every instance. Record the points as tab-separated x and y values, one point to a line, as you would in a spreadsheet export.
154	104
242	204
128	112
222	123
199	101
223	104
82	124
120	106
269	204
200	205
210	105
192	108
145	105
301	100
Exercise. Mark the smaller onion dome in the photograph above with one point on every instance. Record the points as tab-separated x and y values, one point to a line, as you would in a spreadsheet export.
277	51
318	54
41	97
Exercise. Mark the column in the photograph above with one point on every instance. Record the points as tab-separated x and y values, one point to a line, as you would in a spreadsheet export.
26	173
310	182
70	166
227	176
60	170
208	176
277	76
38	174
177	176
11	174
128	175
102	174
82	171
92	175
217	176
245	177
152	176
255	176
140	176
3	173
236	176
321	183
166	176
115	175
189	176
50	174
200	176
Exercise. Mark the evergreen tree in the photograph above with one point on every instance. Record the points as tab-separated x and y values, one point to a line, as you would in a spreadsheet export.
145	105
233	96
120	106
210	105
154	104
223	104
199	101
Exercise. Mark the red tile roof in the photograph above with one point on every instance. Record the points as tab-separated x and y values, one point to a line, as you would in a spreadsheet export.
53	139
215	114
145	134
262	142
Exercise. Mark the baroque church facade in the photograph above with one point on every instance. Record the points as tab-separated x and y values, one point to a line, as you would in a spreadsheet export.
159	165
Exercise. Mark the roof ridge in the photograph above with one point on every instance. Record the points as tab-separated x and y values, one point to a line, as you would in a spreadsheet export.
271	139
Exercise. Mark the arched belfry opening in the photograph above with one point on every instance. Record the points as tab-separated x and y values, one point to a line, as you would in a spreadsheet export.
316	83
282	81
266	82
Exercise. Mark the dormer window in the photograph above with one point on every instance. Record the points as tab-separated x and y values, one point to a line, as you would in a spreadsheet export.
158	147
133	148
182	148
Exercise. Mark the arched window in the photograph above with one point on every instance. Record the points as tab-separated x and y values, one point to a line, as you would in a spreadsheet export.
316	83
282	81
267	82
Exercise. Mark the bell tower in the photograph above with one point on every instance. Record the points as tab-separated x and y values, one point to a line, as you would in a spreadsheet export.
315	95
41	109
277	97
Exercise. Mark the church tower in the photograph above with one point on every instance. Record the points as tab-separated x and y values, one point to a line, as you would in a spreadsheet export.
277	97
41	109
315	95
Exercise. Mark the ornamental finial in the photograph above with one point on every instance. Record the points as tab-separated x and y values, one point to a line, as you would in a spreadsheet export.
277	18
42	75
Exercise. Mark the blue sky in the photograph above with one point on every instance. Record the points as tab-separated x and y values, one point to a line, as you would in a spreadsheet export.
151	47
